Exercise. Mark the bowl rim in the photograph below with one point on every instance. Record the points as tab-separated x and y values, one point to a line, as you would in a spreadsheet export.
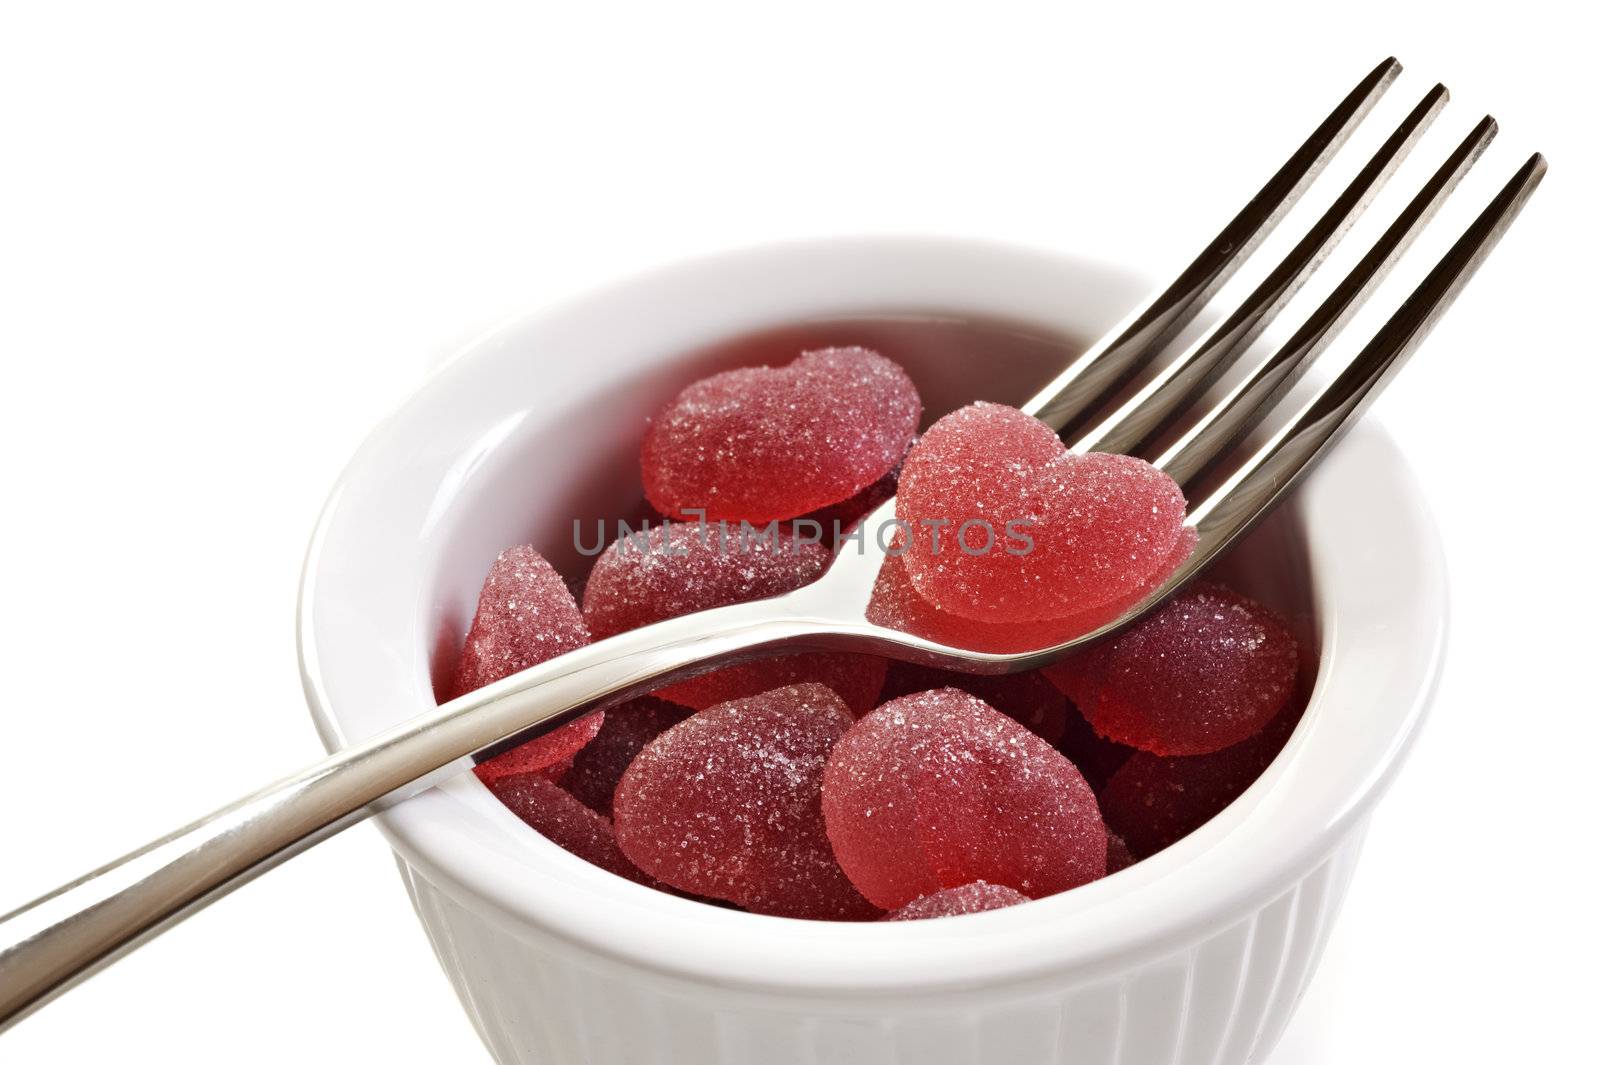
1379	579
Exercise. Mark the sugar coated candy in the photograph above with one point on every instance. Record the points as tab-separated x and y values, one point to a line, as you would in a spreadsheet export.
566	822
896	604
1154	801
954	902
551	755
1027	698
938	789
1118	856
756	786
593	775
1095	756
837	519
766	443
1008	526
1206	671
525	616
679	568
855	678
728	804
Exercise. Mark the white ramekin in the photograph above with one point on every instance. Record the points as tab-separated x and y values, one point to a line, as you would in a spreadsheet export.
1198	954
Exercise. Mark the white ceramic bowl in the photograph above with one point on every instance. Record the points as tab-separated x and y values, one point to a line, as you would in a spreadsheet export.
1195	955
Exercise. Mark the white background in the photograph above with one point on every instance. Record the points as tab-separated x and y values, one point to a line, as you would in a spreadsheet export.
231	237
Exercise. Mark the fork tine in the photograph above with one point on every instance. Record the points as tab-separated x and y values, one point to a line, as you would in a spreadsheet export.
1198	367
1253	398
1120	353
1278	465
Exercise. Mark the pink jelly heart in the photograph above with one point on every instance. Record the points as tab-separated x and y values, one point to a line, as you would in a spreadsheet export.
681	568
728	804
525	616
1206	671
566	822
766	443
1007	525
938	789
954	902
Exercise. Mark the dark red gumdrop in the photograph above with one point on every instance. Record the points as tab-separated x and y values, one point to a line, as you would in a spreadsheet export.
545	807
525	616
596	770
1206	671
1118	856
938	789
855	678
1095	756
1154	801
1027	698
728	804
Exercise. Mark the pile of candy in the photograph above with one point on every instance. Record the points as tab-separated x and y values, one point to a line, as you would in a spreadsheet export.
838	786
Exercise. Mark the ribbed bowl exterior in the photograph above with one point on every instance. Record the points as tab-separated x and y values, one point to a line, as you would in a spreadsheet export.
1223	998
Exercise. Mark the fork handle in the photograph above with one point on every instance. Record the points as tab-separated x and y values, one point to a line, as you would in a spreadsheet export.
63	937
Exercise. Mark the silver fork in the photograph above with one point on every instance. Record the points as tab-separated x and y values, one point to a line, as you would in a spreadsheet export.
55	941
